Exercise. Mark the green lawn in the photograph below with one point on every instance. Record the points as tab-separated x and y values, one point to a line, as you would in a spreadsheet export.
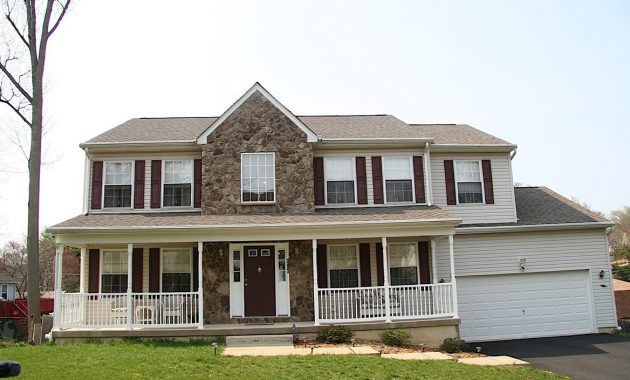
130	360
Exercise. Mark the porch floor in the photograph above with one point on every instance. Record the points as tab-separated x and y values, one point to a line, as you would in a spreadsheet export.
240	329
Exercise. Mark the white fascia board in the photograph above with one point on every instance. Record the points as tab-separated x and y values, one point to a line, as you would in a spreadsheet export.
534	227
474	147
310	135
133	144
377	141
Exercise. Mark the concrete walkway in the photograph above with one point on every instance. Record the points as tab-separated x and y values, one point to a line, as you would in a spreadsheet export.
365	350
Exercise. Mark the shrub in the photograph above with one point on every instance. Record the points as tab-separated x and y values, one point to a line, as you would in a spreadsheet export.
395	337
452	345
334	335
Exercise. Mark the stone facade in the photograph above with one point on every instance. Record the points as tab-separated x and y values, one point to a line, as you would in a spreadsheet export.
216	283
301	281
257	126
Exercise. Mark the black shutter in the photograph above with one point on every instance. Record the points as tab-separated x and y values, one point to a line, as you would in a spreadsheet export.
322	267
380	279
364	264
418	178
423	262
488	189
154	270
138	185
195	274
197	180
362	196
156	183
136	270
377	180
449	178
318	177
94	271
97	184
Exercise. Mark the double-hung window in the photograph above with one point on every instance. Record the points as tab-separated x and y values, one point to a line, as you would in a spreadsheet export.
258	177
340	183
403	264
468	181
117	184
177	270
343	264
5	292
398	175
178	183
114	271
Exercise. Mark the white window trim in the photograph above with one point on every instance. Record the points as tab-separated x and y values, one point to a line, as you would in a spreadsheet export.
483	193
192	184
133	180
275	193
100	269
354	179
415	245
190	249
358	262
413	181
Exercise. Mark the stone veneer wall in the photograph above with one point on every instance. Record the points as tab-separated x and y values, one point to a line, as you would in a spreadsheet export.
301	280
257	126
216	283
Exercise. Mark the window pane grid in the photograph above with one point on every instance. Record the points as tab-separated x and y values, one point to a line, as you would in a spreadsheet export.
403	264
114	272
258	177
398	191
176	270
468	182
396	168
177	183
117	184
340	192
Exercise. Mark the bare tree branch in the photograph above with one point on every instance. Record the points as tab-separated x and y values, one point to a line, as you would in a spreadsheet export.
16	29
16	110
17	84
64	8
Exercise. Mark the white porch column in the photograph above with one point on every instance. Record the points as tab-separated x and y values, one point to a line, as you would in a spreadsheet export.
82	270
315	288
200	277
453	281
434	276
58	272
388	312
129	284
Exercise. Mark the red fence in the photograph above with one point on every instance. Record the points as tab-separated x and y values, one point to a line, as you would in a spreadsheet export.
19	308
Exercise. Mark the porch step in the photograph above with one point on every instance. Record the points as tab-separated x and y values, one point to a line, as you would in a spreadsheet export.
259	340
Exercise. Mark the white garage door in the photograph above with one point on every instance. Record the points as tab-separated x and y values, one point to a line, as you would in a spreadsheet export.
524	305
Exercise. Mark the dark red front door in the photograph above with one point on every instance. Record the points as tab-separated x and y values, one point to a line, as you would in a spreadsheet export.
260	280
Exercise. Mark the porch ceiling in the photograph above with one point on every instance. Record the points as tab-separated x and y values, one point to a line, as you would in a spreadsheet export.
323	223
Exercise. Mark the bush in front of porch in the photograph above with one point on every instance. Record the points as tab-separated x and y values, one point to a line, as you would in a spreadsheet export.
174	360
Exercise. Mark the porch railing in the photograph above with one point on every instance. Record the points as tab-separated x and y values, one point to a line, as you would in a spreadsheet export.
112	310
368	303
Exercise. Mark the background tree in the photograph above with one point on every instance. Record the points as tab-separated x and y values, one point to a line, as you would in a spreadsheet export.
13	263
620	235
26	30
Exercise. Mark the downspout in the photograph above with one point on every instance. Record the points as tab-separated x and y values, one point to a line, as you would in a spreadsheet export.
427	164
86	181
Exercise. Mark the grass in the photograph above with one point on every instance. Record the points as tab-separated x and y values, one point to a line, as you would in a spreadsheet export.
159	359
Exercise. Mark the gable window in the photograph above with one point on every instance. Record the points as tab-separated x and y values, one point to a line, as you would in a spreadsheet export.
403	264
178	182
258	177
340	181
468	182
176	270
117	184
397	173
5	292
114	271
343	264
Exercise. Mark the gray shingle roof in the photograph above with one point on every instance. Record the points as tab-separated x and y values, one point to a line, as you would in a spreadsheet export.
457	134
326	127
7	279
155	130
540	205
363	214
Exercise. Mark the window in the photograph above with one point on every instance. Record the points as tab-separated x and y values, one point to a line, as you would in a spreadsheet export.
397	173
236	265
178	182
176	270
343	264
258	180
114	272
339	174
117	184
5	292
403	264
468	182
282	265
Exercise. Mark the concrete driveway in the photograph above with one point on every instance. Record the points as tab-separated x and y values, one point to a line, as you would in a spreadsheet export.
592	356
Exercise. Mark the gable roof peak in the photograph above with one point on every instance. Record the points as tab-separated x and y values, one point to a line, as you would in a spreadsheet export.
257	87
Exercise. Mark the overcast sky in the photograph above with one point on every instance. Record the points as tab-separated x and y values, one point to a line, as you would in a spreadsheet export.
550	76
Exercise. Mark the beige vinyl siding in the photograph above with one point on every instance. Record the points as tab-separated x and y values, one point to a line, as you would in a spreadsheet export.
502	211
486	254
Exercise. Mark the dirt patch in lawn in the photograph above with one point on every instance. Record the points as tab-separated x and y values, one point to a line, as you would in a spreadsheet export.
385	349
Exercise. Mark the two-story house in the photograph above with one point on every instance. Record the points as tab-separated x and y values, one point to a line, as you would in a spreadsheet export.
216	225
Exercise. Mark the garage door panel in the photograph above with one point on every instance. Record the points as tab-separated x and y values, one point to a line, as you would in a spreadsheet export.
524	305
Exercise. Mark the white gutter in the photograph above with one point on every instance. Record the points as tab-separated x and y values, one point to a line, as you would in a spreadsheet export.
475	147
370	140
132	144
389	223
534	227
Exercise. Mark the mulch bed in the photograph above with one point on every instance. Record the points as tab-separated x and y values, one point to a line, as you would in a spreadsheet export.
385	349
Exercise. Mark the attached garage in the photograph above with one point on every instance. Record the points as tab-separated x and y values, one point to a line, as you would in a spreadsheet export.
525	305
